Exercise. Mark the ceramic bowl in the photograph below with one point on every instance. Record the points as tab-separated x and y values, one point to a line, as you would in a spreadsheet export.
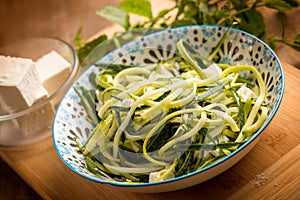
25	128
238	48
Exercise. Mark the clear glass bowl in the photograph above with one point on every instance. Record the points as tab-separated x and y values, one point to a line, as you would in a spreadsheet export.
38	117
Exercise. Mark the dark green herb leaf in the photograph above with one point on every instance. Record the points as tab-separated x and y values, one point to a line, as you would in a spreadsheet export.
186	163
116	68
92	79
240	107
207	19
195	147
213	54
225	9
160	15
272	44
91	165
88	102
157	141
115	14
163	13
181	6
280	5
293	3
238	4
252	22
191	9
139	7
84	51
184	22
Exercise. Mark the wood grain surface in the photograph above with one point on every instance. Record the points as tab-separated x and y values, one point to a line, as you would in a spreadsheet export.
269	171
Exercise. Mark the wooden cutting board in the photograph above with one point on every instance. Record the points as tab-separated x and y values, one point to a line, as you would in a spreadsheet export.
270	171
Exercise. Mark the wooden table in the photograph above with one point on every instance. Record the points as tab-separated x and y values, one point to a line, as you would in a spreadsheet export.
270	171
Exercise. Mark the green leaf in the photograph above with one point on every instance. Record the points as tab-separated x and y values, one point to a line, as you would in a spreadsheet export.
239	5
114	14
207	19
294	45
160	15
181	6
190	9
84	51
139	7
293	3
280	5
201	13
272	43
184	22
225	12
252	22
189	12
226	9
297	38
77	40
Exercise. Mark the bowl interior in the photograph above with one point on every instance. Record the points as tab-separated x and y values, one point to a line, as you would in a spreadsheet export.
11	137
239	48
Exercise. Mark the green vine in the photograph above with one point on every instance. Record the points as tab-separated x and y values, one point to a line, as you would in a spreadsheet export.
244	14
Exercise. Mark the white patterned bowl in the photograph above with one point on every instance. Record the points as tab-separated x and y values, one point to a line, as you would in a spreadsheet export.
239	48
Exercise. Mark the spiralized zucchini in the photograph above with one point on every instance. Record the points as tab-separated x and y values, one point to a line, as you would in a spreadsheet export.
163	120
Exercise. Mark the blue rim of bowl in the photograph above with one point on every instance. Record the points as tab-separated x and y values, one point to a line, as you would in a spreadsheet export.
243	146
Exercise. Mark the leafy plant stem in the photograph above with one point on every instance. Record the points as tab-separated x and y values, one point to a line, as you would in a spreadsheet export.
245	14
161	15
282	22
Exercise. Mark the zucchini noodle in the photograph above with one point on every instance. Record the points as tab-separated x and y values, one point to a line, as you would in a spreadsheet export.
160	121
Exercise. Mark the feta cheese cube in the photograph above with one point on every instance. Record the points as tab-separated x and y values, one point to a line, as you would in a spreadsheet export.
53	70
213	72
246	93
20	86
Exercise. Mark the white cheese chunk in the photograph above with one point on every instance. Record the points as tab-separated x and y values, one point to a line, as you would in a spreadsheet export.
20	86
246	93
53	70
216	152
213	72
